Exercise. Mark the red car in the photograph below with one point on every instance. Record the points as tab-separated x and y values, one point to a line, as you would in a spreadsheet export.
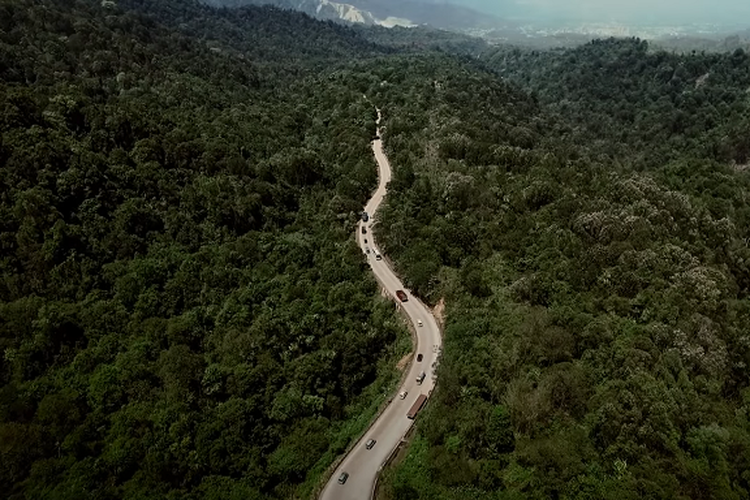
401	295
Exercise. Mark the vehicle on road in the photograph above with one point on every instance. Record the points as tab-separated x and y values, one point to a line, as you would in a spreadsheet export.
367	249
418	404
363	460
420	377
419	322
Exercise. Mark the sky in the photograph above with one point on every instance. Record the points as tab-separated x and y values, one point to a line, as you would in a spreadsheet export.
663	12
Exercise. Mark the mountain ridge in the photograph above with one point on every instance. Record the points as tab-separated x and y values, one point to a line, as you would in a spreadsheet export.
387	13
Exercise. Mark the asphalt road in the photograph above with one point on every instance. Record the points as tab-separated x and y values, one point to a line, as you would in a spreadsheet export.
388	430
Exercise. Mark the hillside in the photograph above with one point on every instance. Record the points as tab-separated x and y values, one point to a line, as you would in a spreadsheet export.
590	243
183	312
620	98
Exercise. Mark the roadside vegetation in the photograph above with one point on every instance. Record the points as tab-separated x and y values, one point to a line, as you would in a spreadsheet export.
183	310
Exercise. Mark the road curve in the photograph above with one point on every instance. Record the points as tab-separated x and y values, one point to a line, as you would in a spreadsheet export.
389	428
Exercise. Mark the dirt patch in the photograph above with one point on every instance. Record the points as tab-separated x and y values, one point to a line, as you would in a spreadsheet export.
404	362
701	80
439	312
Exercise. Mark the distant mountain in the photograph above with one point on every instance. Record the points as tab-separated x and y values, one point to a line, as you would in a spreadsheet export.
382	12
437	14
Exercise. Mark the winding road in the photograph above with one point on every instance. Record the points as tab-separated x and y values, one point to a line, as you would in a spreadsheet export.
388	430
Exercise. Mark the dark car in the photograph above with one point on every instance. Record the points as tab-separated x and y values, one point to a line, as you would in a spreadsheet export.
364	230
419	357
343	477
370	443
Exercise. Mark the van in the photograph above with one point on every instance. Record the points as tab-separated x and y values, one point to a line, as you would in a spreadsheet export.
420	377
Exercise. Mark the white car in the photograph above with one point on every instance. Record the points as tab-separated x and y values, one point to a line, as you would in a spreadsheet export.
402	395
419	322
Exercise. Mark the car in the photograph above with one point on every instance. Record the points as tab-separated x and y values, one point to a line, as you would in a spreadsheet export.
364	230
343	477
367	249
419	322
419	357
365	240
370	443
402	395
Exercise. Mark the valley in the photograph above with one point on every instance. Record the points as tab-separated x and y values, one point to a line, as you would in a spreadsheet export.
189	308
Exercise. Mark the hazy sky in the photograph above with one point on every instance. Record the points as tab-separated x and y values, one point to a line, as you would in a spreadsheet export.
652	11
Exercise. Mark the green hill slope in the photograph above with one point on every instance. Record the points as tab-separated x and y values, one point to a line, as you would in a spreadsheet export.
592	257
183	312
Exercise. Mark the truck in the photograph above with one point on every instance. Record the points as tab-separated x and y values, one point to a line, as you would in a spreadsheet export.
418	404
401	295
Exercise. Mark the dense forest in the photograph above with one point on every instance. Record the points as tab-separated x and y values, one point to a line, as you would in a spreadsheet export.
184	312
632	104
584	214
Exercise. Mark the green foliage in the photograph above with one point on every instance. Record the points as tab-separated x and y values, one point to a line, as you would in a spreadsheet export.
588	238
638	106
183	311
